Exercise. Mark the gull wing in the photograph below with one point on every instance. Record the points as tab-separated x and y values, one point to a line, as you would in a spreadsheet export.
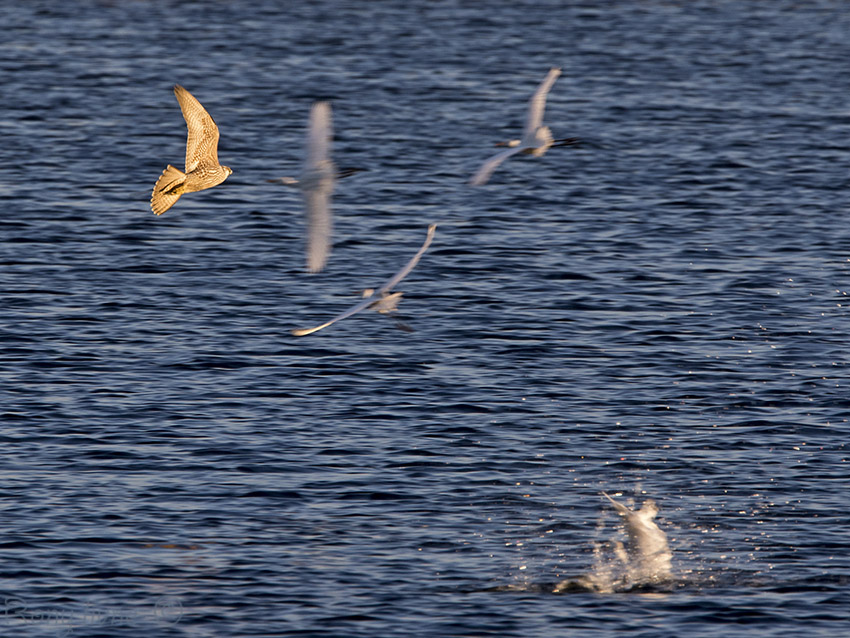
351	311
319	134
317	183
401	274
319	225
202	138
483	175
621	509
537	104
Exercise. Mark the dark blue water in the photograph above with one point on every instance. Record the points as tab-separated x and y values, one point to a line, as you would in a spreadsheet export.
661	312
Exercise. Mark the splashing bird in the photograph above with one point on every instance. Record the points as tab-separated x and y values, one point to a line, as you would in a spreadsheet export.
202	169
536	138
387	302
648	555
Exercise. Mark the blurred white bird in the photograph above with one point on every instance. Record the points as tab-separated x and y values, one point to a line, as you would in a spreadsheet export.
388	301
536	138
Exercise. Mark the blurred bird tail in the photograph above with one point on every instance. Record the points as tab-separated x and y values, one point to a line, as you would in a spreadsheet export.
168	189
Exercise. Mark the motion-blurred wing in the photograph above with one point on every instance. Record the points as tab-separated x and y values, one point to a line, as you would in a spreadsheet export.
537	104
319	226
483	175
319	134
401	274
202	138
351	311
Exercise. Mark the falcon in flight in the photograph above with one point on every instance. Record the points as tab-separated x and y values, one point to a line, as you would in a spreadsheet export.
202	167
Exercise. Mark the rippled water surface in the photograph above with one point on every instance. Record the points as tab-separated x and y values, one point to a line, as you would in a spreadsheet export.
659	312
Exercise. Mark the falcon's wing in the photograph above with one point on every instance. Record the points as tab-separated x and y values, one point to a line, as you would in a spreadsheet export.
202	139
537	104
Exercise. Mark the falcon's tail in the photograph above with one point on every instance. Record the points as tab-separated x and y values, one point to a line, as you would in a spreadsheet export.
168	189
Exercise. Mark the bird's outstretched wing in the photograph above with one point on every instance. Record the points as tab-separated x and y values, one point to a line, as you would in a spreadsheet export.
317	184
202	139
319	134
621	509
483	175
351	311
319	226
401	274
537	104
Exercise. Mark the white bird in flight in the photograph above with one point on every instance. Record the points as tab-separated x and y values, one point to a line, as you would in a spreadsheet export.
536	138
388	301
